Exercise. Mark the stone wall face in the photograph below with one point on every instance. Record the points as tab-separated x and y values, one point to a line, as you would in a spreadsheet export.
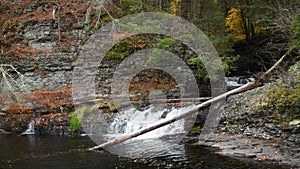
51	68
54	48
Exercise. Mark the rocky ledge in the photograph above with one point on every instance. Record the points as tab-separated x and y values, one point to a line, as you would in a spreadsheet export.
262	124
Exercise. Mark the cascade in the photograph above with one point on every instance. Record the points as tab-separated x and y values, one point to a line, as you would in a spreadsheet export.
30	129
159	142
132	120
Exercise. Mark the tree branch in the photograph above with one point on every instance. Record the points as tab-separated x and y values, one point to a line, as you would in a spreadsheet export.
199	107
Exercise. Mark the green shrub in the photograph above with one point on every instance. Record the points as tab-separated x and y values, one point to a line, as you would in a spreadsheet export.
284	97
114	105
196	128
78	115
280	98
74	123
120	51
166	43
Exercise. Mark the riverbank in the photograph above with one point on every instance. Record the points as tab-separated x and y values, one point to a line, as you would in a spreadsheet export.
263	123
275	151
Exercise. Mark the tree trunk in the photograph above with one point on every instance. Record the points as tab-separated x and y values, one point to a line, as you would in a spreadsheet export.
176	118
201	106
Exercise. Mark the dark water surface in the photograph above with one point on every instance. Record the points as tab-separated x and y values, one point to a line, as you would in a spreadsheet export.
43	152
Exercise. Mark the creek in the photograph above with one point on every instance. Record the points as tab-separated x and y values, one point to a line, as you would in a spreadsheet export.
61	152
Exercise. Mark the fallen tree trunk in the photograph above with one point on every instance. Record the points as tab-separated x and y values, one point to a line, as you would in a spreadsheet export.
166	122
197	108
171	100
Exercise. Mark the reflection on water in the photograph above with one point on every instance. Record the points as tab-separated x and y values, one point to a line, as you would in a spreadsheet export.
148	148
47	152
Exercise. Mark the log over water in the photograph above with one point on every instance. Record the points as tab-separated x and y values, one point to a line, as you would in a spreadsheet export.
199	107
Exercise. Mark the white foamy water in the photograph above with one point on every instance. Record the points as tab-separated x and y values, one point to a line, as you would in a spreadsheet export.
102	127
30	129
133	120
157	143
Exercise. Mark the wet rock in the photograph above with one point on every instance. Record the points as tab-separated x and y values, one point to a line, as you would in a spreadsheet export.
270	126
296	130
258	150
292	138
3	132
189	140
251	155
263	135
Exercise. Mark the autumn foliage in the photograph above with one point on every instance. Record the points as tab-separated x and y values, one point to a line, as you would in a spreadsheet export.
53	98
16	15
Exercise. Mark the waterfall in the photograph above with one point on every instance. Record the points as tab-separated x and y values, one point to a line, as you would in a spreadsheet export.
160	142
102	127
132	120
30	129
